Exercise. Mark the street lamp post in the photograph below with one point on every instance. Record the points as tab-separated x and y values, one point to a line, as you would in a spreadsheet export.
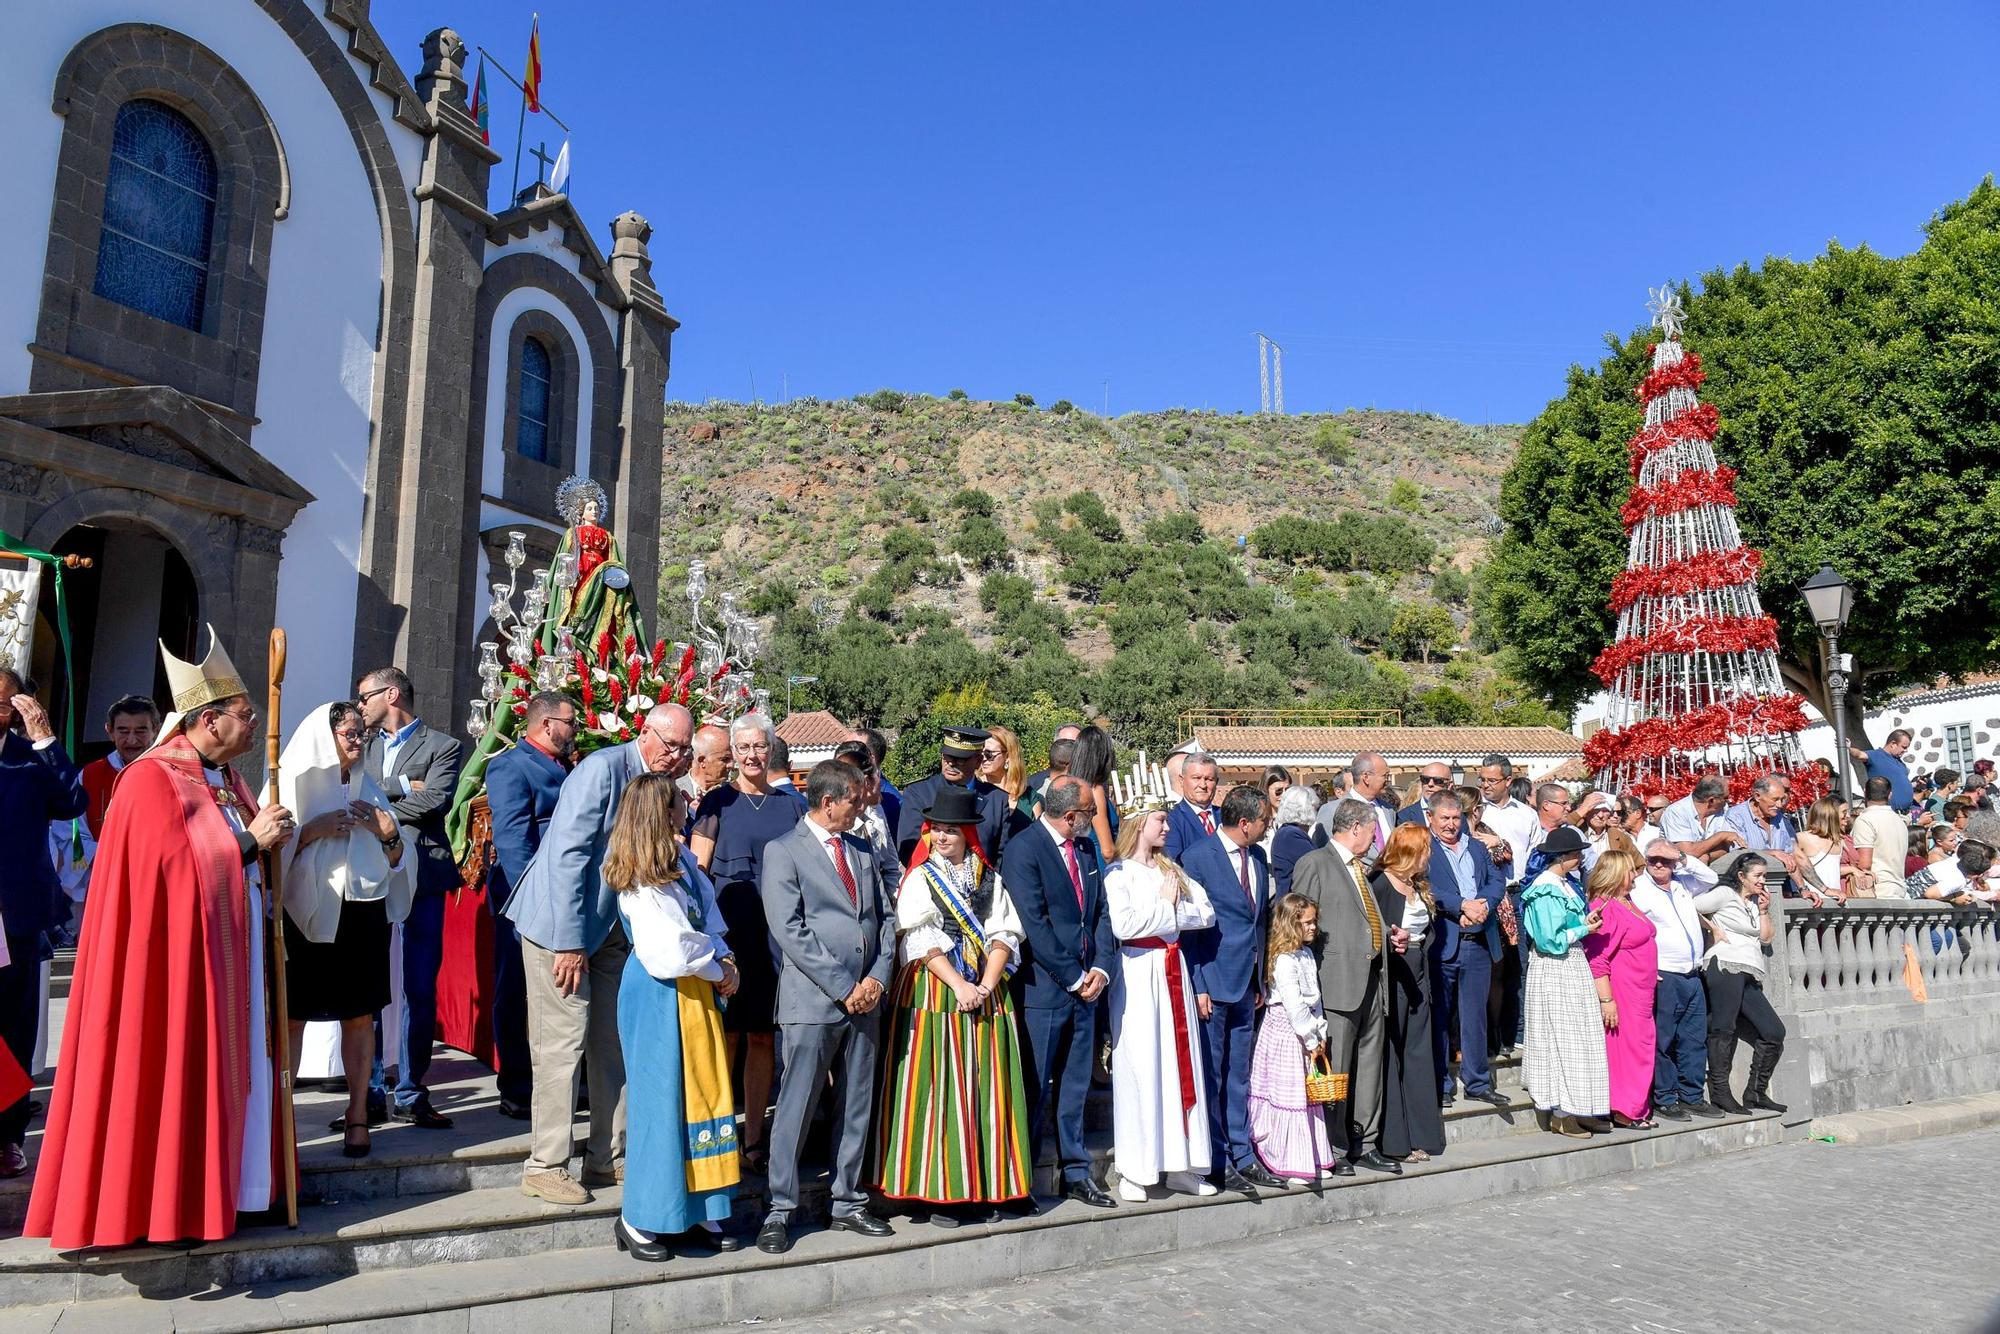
1829	600
791	681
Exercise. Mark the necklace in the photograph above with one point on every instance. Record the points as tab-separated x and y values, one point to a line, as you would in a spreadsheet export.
757	802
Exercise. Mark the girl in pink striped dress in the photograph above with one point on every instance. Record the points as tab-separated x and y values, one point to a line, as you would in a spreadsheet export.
1288	1132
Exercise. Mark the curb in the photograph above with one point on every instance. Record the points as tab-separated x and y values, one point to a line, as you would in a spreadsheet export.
1893	1125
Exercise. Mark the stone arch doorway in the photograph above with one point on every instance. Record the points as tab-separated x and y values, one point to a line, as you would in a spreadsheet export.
140	592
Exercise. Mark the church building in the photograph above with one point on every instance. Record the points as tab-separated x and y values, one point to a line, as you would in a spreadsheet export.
269	355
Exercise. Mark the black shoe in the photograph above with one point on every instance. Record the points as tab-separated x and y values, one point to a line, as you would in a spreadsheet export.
775	1237
352	1148
1725	1102
867	1225
1088	1192
1231	1179
1340	1167
1258	1175
1491	1097
1375	1162
1707	1109
1447	1100
378	1113
421	1115
1672	1111
652	1252
1759	1101
698	1238
943	1218
515	1111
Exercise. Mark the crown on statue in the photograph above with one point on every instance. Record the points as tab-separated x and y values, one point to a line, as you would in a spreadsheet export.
577	492
193	686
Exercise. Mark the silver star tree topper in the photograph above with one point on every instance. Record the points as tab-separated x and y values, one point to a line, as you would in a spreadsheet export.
1668	313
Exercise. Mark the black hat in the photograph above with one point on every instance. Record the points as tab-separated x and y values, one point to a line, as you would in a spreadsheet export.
1563	841
953	805
963	743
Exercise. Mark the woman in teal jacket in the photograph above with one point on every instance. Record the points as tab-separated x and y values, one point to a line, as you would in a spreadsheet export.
1564	1065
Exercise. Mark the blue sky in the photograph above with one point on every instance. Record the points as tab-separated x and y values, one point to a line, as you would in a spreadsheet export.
1433	206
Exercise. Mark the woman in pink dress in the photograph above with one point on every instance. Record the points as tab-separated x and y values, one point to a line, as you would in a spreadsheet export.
1625	964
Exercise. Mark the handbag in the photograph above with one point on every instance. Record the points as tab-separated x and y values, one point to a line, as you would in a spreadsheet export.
1323	1086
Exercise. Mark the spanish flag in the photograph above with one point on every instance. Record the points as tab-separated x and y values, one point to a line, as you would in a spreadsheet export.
532	82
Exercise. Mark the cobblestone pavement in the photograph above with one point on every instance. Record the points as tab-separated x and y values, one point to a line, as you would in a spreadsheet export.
1806	1236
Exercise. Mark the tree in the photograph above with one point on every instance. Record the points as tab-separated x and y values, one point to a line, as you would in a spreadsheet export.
1334	442
958	396
1088	509
981	542
1421	629
1062	407
1171	529
1025	400
1405	495
1450	585
1860	403
971	500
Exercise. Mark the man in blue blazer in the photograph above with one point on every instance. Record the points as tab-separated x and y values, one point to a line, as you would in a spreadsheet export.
1227	961
1052	874
573	952
39	783
522	784
1463	947
1432	779
1194	817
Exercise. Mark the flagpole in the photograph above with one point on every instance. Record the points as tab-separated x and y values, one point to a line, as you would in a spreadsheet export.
521	128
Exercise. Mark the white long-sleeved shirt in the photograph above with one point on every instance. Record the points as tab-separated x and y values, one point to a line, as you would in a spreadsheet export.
1516	822
1132	898
1676	921
1739	946
1295	988
920	922
666	943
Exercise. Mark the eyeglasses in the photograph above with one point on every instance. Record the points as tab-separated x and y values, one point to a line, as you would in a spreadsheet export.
1655	810
367	695
567	720
667	743
1663	861
248	718
1428	781
992	754
1083	812
348	733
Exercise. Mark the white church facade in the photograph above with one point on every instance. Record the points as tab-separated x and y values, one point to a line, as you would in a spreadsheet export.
269	356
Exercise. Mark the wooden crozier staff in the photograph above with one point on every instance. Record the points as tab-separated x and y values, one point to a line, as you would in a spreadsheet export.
274	896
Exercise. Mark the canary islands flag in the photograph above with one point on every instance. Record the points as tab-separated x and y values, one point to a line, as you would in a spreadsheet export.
481	112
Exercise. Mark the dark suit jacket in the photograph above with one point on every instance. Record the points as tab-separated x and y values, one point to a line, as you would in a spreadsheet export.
1488	884
1287	846
1342	949
1184	828
1227	959
1063	943
1413	813
36	787
994	808
522	785
430	758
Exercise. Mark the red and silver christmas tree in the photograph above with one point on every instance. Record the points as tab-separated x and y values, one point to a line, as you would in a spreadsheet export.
1693	674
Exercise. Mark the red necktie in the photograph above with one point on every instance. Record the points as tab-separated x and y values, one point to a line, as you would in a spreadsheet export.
1075	871
1243	874
1207	821
846	876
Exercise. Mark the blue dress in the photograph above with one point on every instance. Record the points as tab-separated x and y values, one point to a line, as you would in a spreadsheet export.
657	1198
741	825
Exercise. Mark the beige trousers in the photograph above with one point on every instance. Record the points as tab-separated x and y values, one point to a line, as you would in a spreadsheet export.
561	1030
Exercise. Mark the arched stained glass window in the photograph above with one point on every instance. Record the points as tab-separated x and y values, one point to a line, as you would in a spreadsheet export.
159	214
531	429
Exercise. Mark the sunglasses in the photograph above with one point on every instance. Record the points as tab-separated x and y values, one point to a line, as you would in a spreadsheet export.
992	754
1663	861
1435	782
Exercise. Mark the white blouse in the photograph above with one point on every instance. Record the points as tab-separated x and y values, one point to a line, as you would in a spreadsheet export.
1416	920
920	922
666	942
1132	896
1295	987
1739	946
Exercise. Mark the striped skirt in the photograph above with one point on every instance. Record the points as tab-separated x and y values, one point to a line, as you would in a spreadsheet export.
953	1122
1563	1063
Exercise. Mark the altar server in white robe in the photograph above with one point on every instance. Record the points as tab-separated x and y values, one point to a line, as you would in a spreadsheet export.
1158	1099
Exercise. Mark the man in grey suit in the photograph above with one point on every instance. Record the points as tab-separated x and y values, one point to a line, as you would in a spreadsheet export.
573	951
1353	951
830	903
418	771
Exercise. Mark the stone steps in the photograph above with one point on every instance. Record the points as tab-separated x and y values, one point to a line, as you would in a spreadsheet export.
555	1268
485	1150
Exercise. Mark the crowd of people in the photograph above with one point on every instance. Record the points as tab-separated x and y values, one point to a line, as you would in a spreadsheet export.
1280	983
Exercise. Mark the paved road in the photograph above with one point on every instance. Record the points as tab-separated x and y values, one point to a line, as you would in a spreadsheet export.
1805	1237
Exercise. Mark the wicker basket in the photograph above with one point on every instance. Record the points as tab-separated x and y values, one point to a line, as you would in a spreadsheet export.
1323	1086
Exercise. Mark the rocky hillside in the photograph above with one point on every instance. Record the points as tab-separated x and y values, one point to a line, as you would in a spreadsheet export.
807	492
